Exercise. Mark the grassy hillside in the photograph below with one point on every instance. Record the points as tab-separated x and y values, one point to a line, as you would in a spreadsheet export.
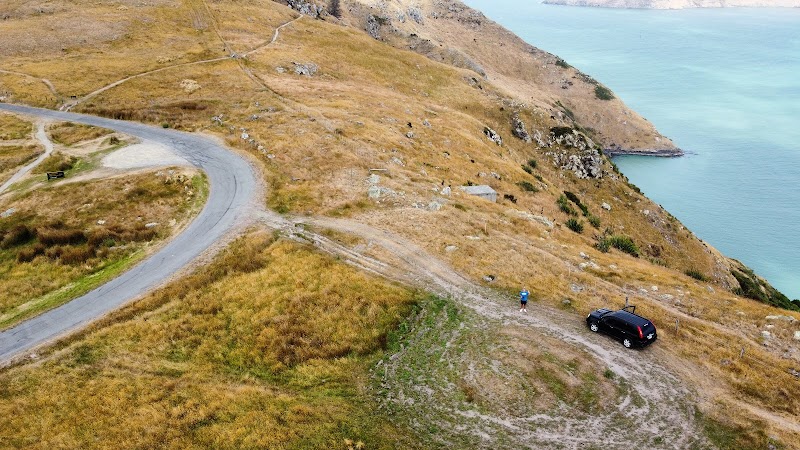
325	103
235	356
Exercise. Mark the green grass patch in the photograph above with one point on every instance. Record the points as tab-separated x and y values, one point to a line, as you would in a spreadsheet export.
603	93
574	225
527	186
106	272
620	242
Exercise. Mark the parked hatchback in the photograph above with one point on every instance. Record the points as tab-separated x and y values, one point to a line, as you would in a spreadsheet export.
625	325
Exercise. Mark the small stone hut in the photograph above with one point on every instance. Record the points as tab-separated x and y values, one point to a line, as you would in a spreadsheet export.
482	191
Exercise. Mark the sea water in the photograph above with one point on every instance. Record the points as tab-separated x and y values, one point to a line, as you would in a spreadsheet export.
724	85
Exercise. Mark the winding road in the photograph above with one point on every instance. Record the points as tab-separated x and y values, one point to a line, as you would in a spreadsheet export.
233	191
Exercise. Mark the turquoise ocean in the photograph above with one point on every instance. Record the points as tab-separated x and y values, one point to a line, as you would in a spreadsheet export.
724	85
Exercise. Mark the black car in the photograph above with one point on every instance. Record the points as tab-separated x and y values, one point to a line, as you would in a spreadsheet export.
631	329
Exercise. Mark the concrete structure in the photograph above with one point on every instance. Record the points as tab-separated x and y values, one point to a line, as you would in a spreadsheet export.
482	191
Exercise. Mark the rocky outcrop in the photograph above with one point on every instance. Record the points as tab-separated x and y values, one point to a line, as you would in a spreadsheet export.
374	24
584	164
493	136
307	69
519	129
676	4
307	8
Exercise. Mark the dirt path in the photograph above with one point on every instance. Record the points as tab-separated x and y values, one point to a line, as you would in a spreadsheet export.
657	402
41	136
231	56
43	80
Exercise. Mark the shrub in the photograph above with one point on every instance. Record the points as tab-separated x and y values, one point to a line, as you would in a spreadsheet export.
603	93
574	199
527	186
532	163
697	275
57	162
29	254
510	197
574	225
621	243
595	221
527	169
561	63
77	255
18	235
563	205
538	177
561	131
54	236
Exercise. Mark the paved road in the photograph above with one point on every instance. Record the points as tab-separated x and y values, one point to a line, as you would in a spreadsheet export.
233	188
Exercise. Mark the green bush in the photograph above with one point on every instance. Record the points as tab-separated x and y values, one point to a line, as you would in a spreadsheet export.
527	186
751	286
697	275
574	199
595	221
574	225
563	205
57	162
621	243
538	177
527	169
532	163
603	93
561	63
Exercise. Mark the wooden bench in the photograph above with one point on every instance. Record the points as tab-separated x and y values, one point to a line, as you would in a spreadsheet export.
51	175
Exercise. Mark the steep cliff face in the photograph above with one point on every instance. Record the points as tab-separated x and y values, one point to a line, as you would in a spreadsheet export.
450	32
677	4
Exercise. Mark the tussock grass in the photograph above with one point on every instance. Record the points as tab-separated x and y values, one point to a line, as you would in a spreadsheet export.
13	127
69	133
65	239
267	347
56	162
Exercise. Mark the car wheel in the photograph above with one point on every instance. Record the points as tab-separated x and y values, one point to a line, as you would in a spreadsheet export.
594	327
627	343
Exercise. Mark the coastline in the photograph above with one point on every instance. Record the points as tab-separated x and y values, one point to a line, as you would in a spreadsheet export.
657	153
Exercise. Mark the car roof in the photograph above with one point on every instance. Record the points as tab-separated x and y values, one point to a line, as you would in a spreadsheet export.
630	318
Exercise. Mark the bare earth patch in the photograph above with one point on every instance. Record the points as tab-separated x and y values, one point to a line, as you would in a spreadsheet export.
147	154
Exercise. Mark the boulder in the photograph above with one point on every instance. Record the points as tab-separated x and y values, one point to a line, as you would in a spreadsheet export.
374	25
307	69
789	319
606	206
493	136
519	129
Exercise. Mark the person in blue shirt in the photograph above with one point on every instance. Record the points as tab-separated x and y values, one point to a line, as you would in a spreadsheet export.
523	300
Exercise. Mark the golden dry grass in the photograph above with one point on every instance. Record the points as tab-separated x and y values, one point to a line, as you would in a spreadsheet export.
13	127
68	133
319	136
12	157
265	348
